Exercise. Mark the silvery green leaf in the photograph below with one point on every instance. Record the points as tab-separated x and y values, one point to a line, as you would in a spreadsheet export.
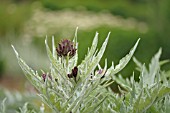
163	92
140	67
161	63
137	102
90	52
29	73
95	62
3	106
133	92
75	58
123	62
94	106
149	77
153	68
141	78
122	82
108	72
54	48
24	109
79	99
46	101
166	104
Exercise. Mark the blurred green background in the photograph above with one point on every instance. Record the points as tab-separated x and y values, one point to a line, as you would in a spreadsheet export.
25	24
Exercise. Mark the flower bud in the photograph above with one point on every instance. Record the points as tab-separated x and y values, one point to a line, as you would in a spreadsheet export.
66	47
45	75
73	73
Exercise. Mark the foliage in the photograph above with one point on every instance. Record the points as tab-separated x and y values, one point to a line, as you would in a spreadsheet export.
87	90
150	94
14	101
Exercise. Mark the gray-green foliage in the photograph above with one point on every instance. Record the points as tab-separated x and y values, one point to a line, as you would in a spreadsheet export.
25	109
89	91
13	102
149	95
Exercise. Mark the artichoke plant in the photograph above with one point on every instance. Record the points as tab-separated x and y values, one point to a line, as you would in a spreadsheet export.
70	87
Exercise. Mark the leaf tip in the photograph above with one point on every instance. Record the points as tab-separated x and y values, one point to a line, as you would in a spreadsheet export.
46	40
16	53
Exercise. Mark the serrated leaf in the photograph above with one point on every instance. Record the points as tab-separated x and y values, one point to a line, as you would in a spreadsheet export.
90	52
153	68
156	95
29	73
123	62
121	81
149	78
95	62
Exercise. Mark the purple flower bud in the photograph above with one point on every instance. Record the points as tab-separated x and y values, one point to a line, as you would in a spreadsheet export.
45	75
66	47
73	73
69	75
101	72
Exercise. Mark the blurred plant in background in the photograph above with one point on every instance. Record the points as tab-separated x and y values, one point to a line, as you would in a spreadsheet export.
11	17
43	22
17	102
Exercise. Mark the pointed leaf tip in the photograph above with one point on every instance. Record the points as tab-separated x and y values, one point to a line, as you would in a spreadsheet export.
108	36
77	28
46	40
16	53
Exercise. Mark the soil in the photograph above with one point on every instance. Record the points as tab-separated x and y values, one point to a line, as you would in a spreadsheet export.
12	82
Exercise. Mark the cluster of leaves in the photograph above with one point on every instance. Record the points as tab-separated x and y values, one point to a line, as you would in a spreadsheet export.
150	95
87	89
14	100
